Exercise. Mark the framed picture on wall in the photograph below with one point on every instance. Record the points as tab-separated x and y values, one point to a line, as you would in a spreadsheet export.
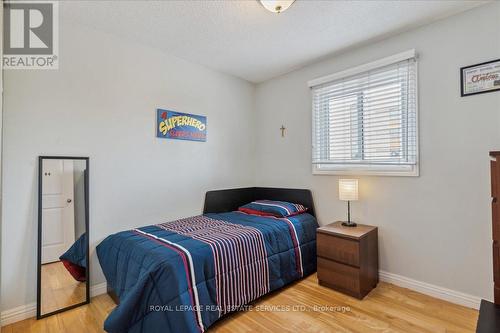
481	78
181	126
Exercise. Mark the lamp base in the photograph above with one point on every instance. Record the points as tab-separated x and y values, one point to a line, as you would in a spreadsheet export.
349	224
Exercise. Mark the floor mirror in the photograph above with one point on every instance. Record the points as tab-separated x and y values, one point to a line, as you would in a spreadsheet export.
63	228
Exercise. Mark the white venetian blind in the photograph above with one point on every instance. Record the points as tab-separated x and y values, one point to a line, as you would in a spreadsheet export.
368	118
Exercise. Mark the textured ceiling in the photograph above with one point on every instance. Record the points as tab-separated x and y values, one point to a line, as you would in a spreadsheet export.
241	38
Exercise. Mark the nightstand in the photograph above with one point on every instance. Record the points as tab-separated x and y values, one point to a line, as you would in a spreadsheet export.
348	258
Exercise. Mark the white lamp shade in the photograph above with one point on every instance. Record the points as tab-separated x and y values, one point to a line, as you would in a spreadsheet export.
276	6
348	189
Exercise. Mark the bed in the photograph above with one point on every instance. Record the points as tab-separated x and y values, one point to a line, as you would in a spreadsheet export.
182	276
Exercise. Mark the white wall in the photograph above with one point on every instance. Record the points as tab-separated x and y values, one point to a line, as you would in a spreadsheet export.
435	228
101	103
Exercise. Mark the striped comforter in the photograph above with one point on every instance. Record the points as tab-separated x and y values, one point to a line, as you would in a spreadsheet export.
182	276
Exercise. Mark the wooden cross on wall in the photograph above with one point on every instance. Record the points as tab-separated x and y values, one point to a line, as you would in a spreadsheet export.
283	128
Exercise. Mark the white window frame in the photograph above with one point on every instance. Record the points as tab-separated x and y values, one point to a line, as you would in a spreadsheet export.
364	169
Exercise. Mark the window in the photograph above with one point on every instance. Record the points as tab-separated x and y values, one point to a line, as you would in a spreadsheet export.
365	119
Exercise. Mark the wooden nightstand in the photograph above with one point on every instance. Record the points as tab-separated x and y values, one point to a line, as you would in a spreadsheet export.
348	258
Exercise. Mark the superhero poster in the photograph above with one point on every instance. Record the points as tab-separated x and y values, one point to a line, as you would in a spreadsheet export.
181	126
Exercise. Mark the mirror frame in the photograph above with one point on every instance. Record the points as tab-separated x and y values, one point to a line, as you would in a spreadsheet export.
39	315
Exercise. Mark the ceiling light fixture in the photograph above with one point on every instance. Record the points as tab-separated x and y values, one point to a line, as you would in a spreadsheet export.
276	6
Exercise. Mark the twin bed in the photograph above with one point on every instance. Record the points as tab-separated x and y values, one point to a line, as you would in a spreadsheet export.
184	275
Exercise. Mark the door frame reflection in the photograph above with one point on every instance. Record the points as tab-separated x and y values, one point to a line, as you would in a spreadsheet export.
39	315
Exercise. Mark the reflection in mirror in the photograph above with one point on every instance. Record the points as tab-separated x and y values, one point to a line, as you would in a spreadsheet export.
63	244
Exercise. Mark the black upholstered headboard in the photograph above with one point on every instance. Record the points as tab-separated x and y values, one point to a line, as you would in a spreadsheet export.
220	201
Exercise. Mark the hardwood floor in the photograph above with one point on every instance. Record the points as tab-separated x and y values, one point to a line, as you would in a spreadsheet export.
59	288
386	309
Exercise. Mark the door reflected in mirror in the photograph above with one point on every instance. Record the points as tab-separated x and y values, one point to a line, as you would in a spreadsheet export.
63	229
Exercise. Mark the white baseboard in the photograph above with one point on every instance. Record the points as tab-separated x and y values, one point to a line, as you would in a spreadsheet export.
449	295
28	311
17	314
98	289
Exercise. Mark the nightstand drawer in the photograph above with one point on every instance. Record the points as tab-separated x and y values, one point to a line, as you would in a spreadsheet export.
335	275
338	249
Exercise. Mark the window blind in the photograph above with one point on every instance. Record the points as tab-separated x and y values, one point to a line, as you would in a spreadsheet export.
367	119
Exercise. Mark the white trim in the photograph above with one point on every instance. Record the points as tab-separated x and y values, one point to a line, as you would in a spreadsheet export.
17	314
29	310
364	68
409	171
98	289
445	294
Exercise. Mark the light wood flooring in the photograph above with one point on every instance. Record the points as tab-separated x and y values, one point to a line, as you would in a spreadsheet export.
59	288
386	309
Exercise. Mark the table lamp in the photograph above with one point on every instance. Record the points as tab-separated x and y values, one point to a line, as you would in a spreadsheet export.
348	191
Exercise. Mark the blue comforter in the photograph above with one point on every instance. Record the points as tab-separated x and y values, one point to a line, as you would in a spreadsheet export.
77	253
184	275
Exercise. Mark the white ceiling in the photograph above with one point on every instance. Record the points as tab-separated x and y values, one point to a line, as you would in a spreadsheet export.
243	39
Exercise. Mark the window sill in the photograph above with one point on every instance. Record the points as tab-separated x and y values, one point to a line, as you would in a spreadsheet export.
411	171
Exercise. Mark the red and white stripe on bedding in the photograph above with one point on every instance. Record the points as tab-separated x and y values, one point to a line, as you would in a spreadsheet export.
189	269
295	240
240	257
